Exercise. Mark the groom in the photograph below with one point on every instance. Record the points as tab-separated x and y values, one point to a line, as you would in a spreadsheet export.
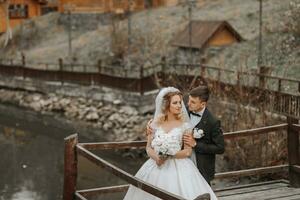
212	141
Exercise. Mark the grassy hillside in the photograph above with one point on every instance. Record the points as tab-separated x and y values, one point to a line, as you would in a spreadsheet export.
45	39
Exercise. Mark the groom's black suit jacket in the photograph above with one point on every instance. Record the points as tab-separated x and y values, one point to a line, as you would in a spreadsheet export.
209	145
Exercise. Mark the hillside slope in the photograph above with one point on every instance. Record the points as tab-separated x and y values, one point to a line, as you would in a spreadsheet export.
45	39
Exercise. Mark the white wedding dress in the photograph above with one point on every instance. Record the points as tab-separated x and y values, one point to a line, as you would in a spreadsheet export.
178	176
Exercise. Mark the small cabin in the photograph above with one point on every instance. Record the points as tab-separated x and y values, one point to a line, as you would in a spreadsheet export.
19	10
204	39
203	34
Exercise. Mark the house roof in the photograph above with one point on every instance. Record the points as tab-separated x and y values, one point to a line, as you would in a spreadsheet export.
42	1
202	32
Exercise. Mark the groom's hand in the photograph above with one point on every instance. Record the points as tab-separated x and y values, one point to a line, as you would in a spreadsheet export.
189	140
149	130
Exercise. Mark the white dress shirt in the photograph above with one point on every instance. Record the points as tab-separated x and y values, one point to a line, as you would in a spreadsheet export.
194	120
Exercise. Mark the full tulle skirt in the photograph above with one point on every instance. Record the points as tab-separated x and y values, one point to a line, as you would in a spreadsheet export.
178	176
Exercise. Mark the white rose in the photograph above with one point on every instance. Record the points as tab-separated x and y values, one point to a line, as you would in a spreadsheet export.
198	133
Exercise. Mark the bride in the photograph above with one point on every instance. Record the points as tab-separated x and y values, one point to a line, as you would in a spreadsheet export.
170	166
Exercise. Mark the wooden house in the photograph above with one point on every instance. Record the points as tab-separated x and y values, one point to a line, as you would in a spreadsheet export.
203	34
204	39
18	10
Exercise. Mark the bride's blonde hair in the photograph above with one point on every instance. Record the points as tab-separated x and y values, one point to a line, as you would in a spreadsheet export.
166	106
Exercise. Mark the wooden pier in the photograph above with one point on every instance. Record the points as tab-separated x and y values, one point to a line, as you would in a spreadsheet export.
278	189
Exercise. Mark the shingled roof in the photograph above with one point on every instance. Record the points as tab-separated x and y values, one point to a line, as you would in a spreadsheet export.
202	32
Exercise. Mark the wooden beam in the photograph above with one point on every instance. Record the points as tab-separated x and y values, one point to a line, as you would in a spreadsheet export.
249	172
255	131
70	167
163	194
103	190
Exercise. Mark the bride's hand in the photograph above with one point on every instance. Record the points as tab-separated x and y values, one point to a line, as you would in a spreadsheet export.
159	161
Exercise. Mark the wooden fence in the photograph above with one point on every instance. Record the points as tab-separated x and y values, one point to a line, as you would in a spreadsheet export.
141	80
73	149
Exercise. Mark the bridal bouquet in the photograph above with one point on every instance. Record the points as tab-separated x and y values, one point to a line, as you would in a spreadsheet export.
164	152
166	146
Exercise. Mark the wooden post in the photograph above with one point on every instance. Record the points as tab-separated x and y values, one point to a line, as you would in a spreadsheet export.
23	59
293	153
141	80
61	65
70	167
262	79
279	85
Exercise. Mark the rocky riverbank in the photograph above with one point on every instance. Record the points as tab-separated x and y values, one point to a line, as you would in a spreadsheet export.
120	122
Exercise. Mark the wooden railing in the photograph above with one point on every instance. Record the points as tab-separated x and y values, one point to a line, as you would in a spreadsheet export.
88	71
73	149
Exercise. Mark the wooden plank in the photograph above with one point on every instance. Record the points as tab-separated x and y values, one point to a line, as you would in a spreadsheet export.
249	172
282	193
263	195
163	194
103	190
291	197
252	185
260	188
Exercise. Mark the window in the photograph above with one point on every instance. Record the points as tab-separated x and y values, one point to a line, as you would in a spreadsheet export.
18	11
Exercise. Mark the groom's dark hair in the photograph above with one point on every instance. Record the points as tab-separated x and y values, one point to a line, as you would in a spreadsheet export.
202	92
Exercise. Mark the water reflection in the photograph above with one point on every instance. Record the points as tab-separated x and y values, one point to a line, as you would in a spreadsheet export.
31	152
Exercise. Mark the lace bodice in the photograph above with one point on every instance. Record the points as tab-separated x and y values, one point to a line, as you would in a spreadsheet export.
168	143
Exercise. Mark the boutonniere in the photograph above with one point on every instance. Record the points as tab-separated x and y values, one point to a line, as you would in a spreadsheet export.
198	133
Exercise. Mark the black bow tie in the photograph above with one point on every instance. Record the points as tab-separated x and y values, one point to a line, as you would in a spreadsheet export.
196	114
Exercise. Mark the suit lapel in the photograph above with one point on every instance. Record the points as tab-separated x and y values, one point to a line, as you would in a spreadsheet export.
203	120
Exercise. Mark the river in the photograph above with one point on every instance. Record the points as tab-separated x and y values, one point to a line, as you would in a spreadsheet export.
32	152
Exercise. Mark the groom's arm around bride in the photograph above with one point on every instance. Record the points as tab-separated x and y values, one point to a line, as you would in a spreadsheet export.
212	140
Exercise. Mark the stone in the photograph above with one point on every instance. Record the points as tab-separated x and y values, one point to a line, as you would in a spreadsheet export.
36	97
114	117
117	102
92	116
36	106
128	110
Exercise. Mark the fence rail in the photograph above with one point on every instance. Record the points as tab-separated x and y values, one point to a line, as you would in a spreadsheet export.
73	149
